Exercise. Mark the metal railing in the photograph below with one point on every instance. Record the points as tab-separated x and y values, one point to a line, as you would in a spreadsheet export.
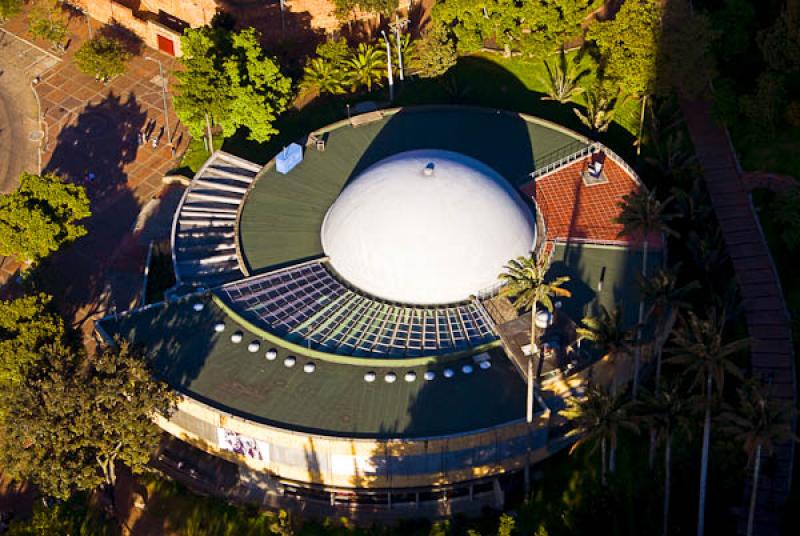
561	157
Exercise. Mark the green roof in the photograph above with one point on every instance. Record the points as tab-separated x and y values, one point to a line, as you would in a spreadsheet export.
617	267
282	216
334	399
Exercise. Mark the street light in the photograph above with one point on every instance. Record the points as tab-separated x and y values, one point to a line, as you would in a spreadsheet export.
398	26
389	65
163	96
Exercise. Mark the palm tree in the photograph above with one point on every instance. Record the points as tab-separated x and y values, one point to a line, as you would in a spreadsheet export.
699	345
608	332
563	80
366	67
757	424
641	213
324	77
665	413
597	419
666	298
600	107
525	282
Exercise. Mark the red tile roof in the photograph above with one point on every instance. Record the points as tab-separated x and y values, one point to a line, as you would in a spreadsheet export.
577	212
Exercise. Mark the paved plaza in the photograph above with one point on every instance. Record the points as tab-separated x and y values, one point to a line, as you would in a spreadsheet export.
90	135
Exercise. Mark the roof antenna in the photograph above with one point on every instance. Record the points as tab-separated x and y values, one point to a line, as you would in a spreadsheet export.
429	167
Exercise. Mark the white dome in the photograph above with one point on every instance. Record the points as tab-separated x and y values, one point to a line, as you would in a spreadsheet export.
407	235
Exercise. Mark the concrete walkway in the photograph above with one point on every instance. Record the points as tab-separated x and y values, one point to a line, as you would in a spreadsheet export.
768	323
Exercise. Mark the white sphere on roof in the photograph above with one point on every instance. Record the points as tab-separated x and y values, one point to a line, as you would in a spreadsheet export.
426	227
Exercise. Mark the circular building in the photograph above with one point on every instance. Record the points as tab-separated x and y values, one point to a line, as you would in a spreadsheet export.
336	329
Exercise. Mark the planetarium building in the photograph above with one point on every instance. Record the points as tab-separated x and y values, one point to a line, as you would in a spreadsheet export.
337	331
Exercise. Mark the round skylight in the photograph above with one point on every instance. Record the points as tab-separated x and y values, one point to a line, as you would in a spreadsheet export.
290	361
410	376
219	327
309	367
448	373
369	377
390	377
198	307
237	337
429	375
253	346
271	354
407	236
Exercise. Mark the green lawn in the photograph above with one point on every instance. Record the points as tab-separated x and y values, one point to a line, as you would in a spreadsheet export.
481	79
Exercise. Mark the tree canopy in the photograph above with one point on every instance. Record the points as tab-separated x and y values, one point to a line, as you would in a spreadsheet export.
435	53
40	216
534	28
102	57
228	76
26	325
629	45
74	417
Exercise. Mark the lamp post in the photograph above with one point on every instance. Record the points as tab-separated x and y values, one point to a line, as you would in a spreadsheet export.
398	26
389	65
163	96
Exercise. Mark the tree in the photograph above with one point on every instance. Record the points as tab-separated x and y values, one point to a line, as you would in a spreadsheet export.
780	44
608	333
436	52
229	81
765	107
597	419
525	282
366	66
563	80
600	105
534	28
75	417
40	216
9	8
784	211
666	298
685	58
758	423
324	77
345	9
642	215
47	22
666	413
26	326
699	345
629	45
102	57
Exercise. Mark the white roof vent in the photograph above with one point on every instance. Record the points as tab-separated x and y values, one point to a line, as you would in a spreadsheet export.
309	367
430	167
429	375
369	377
410	376
290	361
253	346
271	354
448	373
219	327
198	307
237	337
485	364
390	377
466	369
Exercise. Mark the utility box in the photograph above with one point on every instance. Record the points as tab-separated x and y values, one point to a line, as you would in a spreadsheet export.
289	158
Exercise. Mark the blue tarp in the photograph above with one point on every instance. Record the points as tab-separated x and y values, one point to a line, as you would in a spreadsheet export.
289	158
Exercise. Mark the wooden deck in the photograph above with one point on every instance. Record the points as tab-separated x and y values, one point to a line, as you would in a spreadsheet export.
768	322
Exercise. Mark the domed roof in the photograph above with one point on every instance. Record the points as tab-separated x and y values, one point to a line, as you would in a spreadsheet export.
426	227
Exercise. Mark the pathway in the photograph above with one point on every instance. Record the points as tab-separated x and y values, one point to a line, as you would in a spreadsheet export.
767	318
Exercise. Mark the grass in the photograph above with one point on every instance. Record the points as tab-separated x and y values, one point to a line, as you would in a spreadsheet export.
482	80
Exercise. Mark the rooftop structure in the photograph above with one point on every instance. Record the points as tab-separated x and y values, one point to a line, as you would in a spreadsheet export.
331	328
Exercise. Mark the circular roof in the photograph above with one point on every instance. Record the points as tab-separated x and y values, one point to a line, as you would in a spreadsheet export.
426	227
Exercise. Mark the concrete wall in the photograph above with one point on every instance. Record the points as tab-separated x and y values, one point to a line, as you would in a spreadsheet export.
365	463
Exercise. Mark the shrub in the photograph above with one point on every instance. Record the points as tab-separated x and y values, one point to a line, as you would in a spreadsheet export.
102	57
